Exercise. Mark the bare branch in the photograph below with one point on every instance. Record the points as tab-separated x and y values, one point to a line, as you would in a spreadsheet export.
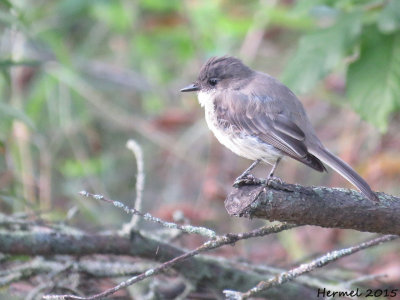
205	271
326	207
72	242
306	268
97	268
140	179
307	280
209	245
148	217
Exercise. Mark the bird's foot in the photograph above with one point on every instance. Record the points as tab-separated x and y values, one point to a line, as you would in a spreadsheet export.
277	183
273	179
246	179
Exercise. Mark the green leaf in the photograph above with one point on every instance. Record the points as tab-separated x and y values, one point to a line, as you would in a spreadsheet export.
373	81
389	18
320	52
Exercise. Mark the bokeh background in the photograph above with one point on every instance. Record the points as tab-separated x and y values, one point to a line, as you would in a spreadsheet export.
79	78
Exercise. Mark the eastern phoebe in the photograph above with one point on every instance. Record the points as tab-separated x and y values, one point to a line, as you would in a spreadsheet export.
259	118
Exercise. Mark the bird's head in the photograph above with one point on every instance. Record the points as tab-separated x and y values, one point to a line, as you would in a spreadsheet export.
225	72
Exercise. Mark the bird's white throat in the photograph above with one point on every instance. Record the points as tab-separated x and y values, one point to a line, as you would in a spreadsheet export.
205	98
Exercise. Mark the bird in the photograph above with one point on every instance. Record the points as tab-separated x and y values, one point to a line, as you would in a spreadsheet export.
259	118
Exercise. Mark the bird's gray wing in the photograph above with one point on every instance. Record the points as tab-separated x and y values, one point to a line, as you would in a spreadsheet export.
266	120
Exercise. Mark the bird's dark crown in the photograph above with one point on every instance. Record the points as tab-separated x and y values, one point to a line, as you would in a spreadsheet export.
224	67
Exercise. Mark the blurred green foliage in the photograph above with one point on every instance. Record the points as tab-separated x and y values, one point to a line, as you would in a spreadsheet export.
78	78
368	31
73	68
373	79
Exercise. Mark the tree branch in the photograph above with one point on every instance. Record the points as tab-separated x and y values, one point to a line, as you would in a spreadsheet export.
325	207
201	270
148	217
307	267
209	245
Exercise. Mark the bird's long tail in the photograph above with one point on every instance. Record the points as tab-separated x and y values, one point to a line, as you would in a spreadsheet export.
345	170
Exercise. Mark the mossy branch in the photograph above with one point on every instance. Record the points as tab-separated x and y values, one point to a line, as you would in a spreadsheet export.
320	206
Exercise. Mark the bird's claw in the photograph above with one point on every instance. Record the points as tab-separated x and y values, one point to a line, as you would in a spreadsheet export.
246	180
272	179
277	183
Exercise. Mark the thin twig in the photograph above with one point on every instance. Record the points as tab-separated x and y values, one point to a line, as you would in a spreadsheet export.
307	280
97	268
306	268
148	217
140	179
33	294
209	245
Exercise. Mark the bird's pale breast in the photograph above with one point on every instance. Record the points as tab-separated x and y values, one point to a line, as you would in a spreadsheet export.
240	143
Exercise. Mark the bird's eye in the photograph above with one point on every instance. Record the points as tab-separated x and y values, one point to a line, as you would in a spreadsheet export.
213	81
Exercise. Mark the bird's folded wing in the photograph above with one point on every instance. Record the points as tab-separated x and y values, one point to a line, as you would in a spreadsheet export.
262	119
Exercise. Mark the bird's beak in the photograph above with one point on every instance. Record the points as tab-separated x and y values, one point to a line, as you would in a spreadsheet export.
191	88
